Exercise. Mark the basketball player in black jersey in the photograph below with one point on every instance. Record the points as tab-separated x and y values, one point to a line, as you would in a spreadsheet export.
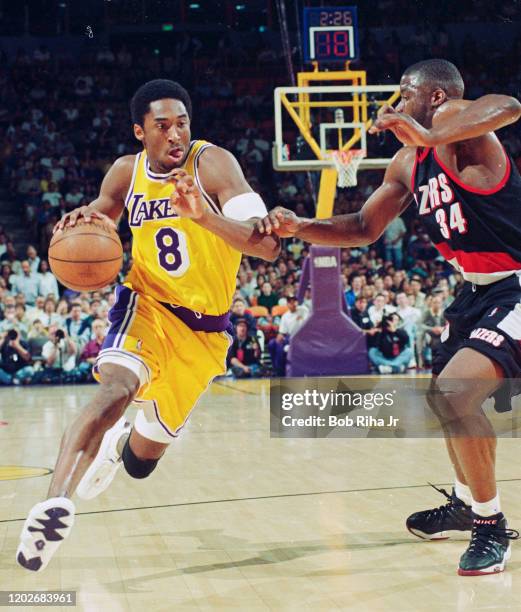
468	194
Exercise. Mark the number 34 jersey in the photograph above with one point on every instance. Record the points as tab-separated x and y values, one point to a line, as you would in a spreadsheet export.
175	260
477	230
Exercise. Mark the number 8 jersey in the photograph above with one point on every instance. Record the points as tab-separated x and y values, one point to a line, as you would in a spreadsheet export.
478	231
174	259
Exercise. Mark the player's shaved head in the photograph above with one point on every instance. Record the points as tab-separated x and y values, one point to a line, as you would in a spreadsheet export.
438	73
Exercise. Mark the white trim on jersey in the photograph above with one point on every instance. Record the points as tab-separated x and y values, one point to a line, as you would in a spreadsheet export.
158	177
127	321
511	324
125	359
148	425
481	278
198	182
133	180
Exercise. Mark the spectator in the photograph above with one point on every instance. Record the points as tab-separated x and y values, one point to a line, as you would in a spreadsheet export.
392	352
33	259
6	275
15	359
78	327
73	198
36	338
48	284
354	291
36	312
416	289
360	316
306	300
19	298
393	241
50	316
26	283
430	329
245	352
53	196
92	348
63	306
422	248
267	297
26	185
8	313
57	172
94	310
444	291
239	312
21	321
246	284
10	258
409	315
290	322
379	309
59	355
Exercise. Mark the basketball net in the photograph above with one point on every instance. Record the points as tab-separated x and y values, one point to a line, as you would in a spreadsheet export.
347	164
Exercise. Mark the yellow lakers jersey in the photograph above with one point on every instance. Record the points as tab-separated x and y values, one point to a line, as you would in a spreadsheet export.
175	260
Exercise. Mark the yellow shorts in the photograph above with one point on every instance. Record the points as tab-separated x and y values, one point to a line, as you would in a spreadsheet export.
174	364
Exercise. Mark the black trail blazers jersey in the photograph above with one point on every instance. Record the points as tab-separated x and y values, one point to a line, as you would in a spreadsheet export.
478	231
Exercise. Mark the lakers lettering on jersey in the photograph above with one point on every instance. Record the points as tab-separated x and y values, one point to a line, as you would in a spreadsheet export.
174	259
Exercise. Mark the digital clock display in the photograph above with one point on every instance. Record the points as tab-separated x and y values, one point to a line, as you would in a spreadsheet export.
330	34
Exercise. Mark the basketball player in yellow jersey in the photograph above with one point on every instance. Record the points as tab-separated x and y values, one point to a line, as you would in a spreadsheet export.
192	214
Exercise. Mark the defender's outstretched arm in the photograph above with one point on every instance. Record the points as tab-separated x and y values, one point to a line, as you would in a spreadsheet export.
454	121
356	229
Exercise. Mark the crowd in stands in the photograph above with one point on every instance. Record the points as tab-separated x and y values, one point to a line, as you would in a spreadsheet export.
50	334
63	120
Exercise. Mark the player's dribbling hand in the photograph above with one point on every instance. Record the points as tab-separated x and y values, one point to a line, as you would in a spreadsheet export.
85	213
403	126
280	221
186	199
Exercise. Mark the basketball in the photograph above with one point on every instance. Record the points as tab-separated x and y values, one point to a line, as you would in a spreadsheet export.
87	256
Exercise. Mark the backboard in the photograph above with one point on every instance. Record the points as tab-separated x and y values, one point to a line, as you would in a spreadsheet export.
312	121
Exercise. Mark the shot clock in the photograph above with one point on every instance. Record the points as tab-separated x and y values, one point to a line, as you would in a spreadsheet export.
330	34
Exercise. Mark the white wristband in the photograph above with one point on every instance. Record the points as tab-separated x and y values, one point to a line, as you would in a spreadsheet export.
245	206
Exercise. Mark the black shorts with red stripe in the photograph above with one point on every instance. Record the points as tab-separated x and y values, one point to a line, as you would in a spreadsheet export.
486	318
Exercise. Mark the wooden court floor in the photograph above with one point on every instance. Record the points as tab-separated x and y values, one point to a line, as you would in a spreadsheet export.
235	520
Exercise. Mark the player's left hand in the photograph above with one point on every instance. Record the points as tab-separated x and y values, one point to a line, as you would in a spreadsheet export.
404	127
186	199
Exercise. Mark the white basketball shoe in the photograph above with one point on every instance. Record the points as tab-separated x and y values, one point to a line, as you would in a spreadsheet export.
46	527
102	470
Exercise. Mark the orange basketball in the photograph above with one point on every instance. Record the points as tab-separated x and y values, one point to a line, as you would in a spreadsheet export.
87	256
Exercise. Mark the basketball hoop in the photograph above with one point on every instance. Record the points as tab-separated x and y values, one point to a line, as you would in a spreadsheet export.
347	164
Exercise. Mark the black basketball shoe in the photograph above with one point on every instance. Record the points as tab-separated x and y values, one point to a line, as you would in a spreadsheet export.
443	522
489	547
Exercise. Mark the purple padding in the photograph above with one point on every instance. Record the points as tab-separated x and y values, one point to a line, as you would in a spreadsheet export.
329	343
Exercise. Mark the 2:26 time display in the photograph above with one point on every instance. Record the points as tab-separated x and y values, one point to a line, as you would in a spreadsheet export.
339	18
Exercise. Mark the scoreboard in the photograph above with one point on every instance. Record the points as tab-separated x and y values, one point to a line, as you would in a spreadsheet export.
330	34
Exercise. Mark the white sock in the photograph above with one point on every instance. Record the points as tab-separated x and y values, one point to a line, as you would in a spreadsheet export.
488	508
462	492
